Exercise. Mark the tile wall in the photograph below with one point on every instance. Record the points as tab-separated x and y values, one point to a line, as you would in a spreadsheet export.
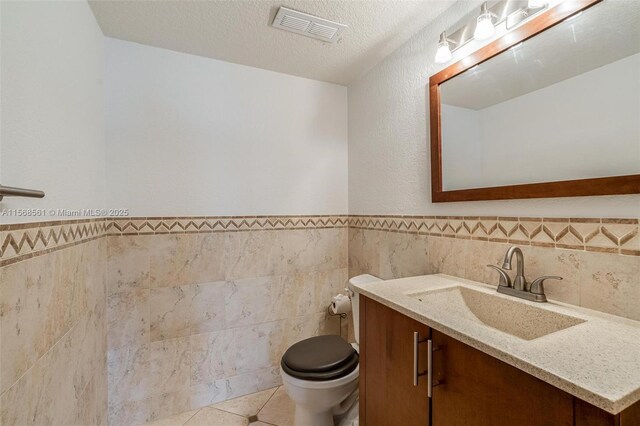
198	314
53	324
598	258
163	315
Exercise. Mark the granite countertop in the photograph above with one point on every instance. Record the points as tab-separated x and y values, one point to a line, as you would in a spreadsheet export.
597	360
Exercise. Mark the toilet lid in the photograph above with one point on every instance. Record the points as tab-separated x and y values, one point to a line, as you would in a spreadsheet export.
320	358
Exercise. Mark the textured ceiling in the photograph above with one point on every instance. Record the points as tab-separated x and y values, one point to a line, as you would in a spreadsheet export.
239	31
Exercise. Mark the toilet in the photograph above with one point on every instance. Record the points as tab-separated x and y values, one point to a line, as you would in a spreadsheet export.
320	374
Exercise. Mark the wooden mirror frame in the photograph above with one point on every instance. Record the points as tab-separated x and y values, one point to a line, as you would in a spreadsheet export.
616	185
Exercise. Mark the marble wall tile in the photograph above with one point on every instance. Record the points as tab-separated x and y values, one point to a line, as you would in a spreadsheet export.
53	333
128	262
170	366
403	255
129	318
57	388
207	311
607	282
208	360
446	256
231	297
254	347
182	259
253	254
612	287
170	311
364	251
255	300
266	253
129	413
38	307
129	372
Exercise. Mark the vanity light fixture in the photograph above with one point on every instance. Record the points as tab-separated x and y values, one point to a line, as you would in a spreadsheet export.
537	4
484	24
443	54
481	27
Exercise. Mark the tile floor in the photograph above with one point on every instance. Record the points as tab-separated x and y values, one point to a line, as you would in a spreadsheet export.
268	407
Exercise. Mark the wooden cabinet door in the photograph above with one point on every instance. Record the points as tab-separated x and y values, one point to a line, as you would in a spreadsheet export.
387	393
477	389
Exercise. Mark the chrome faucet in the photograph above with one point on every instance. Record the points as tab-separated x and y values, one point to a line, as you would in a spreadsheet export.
520	288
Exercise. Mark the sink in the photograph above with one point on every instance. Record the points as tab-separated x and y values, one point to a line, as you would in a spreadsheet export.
509	316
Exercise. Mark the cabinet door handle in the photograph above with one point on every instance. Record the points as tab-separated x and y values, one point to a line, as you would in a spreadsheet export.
429	368
416	356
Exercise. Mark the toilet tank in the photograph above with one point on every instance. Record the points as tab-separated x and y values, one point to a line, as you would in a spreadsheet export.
361	280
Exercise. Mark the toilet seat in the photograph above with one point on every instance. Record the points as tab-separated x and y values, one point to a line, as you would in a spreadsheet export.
320	358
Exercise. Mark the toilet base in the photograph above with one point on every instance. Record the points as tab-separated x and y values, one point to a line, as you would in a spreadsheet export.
305	417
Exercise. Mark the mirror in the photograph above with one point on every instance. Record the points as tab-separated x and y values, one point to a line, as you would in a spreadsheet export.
563	106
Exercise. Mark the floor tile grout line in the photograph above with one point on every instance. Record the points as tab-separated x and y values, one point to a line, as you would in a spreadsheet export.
194	414
267	401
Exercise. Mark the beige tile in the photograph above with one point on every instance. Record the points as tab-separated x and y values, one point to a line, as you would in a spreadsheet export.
208	357
170	365
247	405
170	311
128	313
611	283
170	257
253	381
479	254
280	410
169	404
128	262
403	255
129	413
208	393
206	258
207	312
253	254
41	300
129	375
52	390
557	262
447	256
254	347
364	252
305	326
311	292
175	420
255	300
211	417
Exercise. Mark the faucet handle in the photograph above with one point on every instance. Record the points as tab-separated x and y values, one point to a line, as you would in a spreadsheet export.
505	280
537	286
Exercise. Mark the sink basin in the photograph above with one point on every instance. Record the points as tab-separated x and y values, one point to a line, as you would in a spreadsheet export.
509	316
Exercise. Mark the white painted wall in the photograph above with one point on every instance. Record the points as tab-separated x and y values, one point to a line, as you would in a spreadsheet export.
551	134
52	116
189	135
389	155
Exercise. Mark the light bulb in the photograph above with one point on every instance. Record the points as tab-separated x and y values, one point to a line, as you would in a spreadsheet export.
443	54
484	26
537	4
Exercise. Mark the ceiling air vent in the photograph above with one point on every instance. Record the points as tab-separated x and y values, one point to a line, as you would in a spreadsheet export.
308	25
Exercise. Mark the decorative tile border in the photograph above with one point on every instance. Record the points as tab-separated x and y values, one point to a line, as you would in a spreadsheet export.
26	240
23	241
205	224
590	234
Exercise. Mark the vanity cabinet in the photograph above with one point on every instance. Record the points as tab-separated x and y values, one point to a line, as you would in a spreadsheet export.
387	394
470	388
